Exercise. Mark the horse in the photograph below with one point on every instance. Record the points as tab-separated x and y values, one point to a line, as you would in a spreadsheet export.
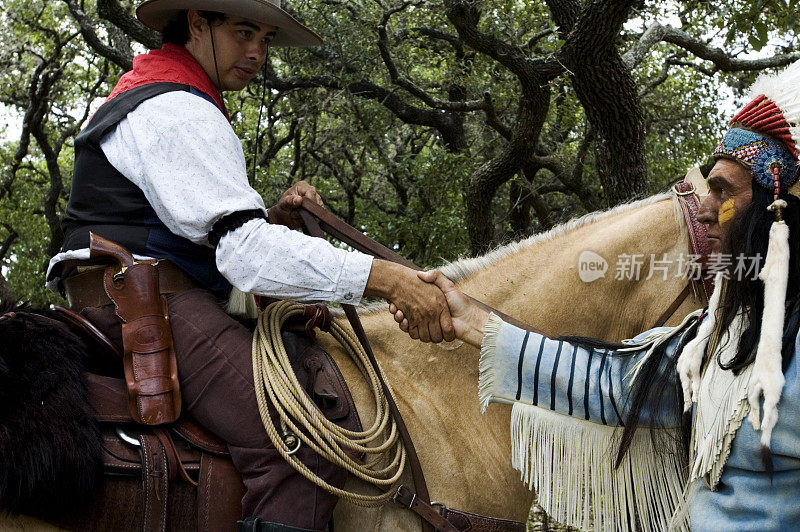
466	455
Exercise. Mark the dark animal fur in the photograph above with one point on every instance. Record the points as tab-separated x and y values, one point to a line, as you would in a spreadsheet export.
766	460
50	447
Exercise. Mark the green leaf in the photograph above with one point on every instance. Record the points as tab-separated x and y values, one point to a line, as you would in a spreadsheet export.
755	42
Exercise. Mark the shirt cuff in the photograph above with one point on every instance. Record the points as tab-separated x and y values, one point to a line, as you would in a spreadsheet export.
353	279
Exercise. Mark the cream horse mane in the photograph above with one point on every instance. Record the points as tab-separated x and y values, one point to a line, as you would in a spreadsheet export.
466	267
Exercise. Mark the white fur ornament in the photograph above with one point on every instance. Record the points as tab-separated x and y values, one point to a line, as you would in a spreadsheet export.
767	379
691	359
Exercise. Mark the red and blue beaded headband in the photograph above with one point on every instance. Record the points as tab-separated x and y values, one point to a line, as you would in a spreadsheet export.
774	167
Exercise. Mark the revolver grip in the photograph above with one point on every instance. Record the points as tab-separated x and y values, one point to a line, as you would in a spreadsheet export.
100	248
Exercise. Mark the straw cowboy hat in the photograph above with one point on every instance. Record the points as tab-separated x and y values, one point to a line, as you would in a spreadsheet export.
156	14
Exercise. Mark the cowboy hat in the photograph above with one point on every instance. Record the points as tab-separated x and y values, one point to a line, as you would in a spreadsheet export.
156	14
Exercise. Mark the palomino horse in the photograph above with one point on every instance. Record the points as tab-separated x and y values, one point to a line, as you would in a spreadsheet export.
466	455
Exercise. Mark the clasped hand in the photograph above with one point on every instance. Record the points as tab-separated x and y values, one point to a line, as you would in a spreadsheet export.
467	318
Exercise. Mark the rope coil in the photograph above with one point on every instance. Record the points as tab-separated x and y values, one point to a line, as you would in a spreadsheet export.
274	377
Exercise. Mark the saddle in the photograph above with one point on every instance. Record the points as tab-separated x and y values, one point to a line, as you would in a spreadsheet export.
179	476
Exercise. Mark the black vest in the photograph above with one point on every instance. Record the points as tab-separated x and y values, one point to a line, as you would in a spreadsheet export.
105	202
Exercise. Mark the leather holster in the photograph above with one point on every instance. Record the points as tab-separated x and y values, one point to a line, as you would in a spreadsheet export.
151	371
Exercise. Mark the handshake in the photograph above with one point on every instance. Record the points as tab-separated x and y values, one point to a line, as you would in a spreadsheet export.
427	305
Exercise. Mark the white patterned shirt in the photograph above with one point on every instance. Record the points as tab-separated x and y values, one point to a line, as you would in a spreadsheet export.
180	150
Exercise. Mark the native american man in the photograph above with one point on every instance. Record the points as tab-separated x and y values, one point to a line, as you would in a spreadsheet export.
160	171
736	361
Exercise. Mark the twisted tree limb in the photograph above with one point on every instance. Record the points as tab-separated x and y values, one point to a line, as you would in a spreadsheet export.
605	87
122	58
112	11
449	125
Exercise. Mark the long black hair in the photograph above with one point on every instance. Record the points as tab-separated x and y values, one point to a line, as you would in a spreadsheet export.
748	234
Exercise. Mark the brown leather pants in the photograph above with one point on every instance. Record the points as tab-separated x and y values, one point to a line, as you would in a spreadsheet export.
215	370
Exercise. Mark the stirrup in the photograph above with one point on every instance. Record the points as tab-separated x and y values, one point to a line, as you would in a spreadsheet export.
255	524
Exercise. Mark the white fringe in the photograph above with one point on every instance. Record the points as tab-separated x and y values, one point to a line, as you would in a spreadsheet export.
721	407
768	379
680	517
691	358
486	373
570	464
241	304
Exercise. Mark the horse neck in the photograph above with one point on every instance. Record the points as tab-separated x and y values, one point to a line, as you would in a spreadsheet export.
540	283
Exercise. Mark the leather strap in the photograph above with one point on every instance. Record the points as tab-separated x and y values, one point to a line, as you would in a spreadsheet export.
451	520
86	289
198	436
412	501
173	458
346	233
690	204
155	484
86	329
420	486
464	521
674	306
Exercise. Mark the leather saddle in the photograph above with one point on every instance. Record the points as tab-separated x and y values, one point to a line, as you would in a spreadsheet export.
180	476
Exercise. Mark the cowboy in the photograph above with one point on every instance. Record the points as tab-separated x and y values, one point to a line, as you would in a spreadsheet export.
159	171
733	368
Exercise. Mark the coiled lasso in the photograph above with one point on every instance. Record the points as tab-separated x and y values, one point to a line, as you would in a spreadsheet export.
274	377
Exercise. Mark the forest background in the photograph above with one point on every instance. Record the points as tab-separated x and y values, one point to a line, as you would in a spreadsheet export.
441	128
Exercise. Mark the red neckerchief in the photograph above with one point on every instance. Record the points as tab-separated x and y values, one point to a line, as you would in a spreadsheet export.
174	64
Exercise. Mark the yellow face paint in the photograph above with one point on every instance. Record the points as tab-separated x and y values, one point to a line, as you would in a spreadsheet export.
726	211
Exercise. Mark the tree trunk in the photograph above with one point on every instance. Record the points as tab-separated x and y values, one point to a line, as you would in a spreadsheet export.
605	87
482	185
